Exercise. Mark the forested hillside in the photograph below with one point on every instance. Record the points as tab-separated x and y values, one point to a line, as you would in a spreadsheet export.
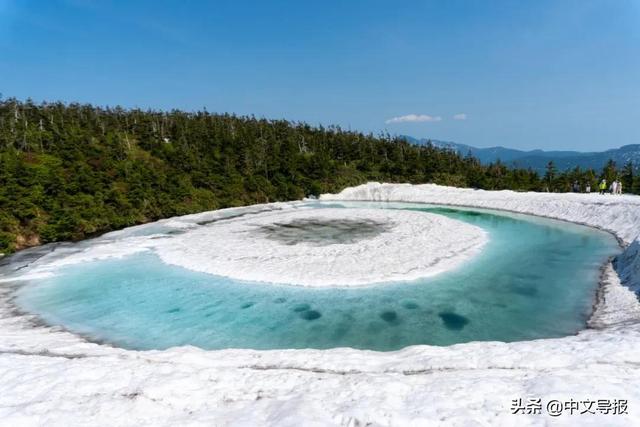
69	171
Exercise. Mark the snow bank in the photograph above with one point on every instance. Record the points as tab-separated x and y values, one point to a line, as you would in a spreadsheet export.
619	215
51	377
243	248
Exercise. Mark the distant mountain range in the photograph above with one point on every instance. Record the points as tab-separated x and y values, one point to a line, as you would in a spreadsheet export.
538	159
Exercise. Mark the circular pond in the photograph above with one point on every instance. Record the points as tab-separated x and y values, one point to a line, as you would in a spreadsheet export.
532	278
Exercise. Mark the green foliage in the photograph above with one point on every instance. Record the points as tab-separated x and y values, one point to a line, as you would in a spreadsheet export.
628	178
550	174
443	178
72	171
610	173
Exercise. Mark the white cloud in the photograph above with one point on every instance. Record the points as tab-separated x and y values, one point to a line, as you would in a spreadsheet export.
460	116
412	118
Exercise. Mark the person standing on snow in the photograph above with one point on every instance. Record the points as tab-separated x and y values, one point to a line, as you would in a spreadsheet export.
587	189
603	186
576	187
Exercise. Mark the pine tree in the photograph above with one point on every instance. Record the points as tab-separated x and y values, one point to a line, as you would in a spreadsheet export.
550	175
627	177
609	172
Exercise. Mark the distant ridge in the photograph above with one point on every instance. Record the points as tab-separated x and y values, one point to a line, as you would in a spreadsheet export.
538	159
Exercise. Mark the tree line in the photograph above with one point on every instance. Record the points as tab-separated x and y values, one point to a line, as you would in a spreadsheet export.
71	171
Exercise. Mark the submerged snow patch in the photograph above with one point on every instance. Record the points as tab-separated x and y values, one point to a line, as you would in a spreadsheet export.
326	247
322	232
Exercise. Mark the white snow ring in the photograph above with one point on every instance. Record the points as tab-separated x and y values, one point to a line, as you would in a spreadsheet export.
395	245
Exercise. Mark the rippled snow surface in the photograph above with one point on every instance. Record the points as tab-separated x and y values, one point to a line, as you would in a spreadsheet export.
534	278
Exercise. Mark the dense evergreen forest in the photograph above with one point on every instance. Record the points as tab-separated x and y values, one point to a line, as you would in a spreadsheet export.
69	171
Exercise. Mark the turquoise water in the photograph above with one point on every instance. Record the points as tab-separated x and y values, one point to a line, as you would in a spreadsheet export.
535	279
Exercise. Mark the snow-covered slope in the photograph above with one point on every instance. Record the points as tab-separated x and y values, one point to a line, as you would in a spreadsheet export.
619	215
51	377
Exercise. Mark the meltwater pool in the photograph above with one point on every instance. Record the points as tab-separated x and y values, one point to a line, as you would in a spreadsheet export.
534	278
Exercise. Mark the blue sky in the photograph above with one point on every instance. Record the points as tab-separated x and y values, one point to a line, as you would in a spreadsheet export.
561	74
